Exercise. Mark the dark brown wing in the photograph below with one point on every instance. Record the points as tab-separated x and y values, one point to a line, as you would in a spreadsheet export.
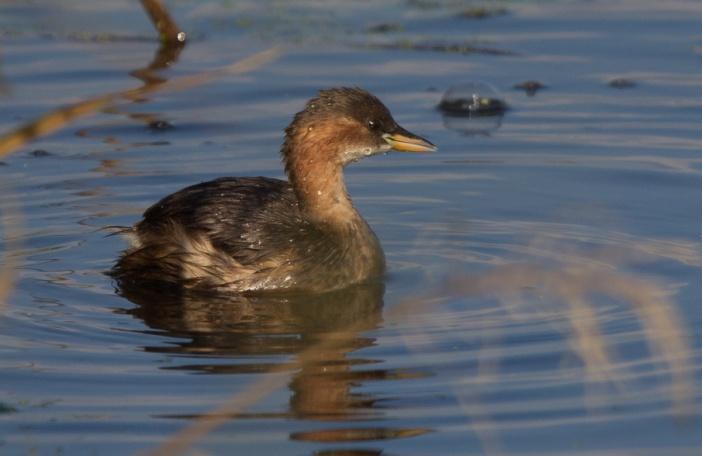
241	216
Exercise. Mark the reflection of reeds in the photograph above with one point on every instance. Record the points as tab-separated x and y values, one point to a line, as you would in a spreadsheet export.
55	120
571	288
10	227
275	378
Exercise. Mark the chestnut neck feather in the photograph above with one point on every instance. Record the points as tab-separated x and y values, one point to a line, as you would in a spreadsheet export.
312	157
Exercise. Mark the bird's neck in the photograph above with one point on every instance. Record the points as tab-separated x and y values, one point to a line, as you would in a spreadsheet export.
318	181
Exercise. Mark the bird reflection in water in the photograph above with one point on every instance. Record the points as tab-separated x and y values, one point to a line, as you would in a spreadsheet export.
320	330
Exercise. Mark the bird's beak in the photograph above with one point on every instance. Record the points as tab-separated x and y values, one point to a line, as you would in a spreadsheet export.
404	141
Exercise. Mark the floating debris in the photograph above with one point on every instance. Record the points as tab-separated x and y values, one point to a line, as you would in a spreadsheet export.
40	153
387	27
482	12
6	408
622	83
530	87
451	48
160	125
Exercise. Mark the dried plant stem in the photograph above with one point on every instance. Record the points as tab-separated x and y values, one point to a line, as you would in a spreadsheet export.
59	118
167	29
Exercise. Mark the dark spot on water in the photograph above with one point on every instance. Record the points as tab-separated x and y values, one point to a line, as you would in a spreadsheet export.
465	48
5	408
530	87
40	153
387	27
150	143
481	12
622	83
160	125
2	163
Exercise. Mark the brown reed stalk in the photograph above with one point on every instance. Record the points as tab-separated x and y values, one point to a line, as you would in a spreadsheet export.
59	118
168	30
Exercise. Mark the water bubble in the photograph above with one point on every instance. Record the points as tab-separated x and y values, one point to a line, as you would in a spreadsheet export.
474	108
473	99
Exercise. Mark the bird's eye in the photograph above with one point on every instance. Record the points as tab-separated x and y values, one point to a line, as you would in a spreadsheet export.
372	124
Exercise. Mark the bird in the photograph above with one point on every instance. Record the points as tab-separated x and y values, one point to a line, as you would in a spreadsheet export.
260	234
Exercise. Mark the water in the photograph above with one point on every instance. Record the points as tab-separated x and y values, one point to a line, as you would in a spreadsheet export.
543	293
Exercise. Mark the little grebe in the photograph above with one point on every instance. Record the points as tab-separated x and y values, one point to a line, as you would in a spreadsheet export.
256	233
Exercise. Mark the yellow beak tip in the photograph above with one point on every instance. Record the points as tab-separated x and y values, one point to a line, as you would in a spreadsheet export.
404	143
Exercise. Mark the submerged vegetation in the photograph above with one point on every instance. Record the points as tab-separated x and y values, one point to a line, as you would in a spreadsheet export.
466	48
482	12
